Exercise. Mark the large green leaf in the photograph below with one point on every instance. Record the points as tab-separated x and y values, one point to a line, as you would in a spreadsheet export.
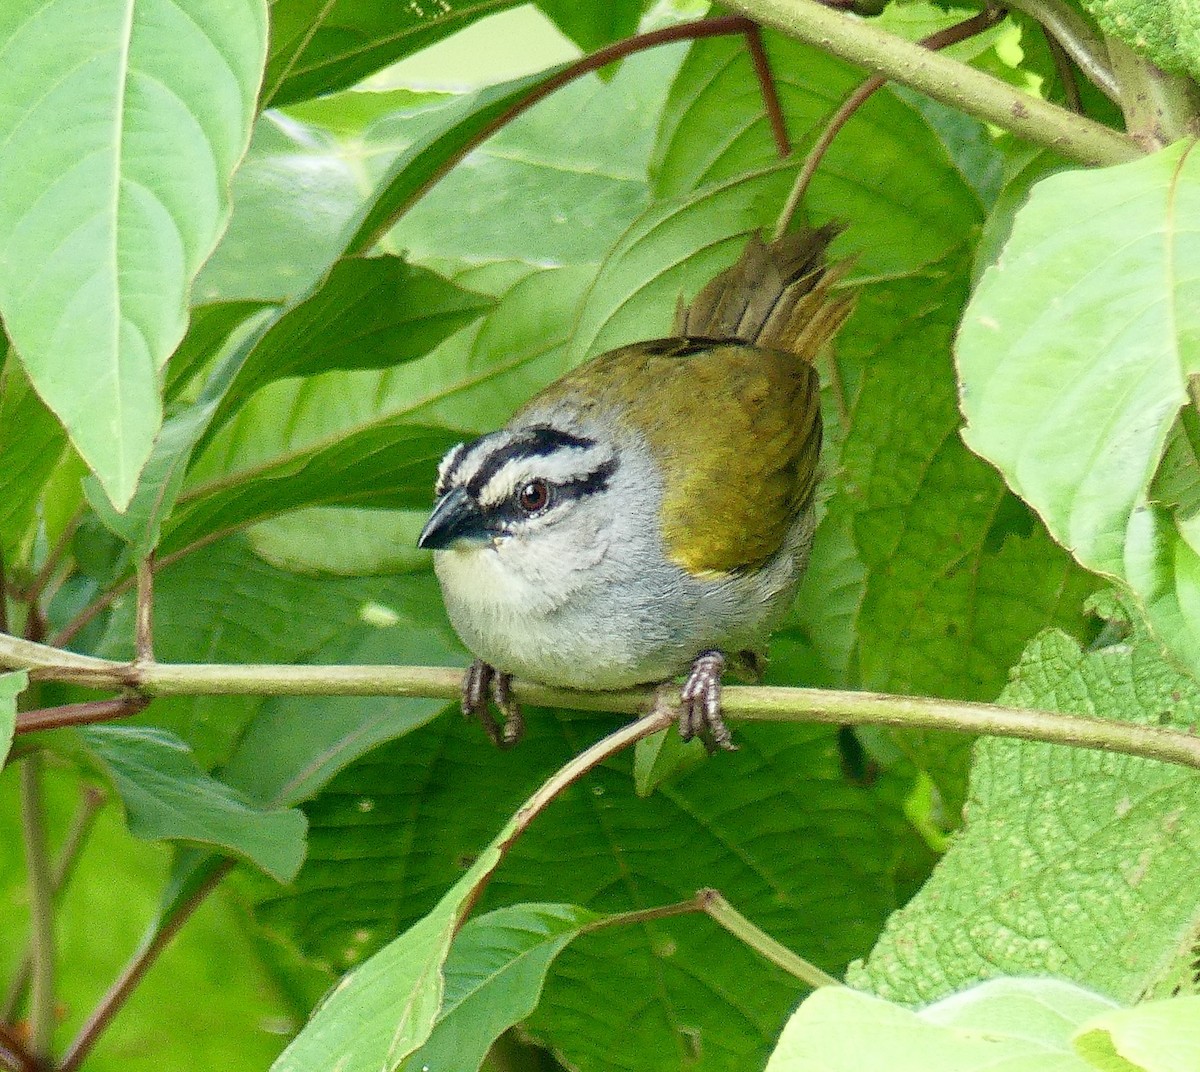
592	25
1074	357
100	237
11	686
907	207
494	977
774	826
370	313
166	795
318	46
1071	863
1022	1025
389	464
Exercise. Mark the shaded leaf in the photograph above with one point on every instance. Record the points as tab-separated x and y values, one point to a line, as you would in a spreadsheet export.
1071	863
209	329
494	977
370	313
32	444
167	795
390	464
591	26
115	237
318	46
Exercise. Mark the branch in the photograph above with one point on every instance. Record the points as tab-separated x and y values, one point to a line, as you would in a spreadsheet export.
1159	108
754	703
1078	39
137	967
41	908
944	79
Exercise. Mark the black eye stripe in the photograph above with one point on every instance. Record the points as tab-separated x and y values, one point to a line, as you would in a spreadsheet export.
505	514
531	443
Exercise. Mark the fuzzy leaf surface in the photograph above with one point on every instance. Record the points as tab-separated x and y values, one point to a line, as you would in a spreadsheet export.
96	97
1071	863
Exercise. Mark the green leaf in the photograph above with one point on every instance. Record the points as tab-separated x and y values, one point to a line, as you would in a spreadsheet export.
1018	1024
296	744
494	977
209	330
32	444
1160	1036
11	686
222	604
388	464
1073	398
1072	863
774	826
1168	31
140	523
318	46
591	26
371	313
293	198
116	237
167	796
907	208
661	756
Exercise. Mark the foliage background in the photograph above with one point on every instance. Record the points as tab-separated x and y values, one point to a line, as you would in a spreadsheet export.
302	471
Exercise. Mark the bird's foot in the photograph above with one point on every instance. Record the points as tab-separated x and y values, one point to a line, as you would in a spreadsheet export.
701	711
481	679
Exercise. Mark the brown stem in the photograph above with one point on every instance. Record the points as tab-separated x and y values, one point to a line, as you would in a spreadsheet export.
41	909
766	84
137	967
144	637
13	1054
38	585
720	26
79	714
89	807
951	35
1066	72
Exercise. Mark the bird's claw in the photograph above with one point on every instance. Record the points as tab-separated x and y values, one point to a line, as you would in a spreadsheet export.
481	679
700	714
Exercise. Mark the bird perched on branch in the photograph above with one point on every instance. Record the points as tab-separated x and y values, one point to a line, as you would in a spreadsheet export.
649	514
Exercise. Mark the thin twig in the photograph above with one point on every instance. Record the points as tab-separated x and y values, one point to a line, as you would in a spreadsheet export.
13	1054
137	967
761	942
144	617
721	26
41	908
1078	38
957	84
91	801
766	85
1066	72
79	714
756	703
53	560
951	35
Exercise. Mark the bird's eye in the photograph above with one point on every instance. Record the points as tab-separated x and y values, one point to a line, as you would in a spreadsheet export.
533	496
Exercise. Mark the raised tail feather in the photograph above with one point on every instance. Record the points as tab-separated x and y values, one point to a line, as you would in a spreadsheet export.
777	295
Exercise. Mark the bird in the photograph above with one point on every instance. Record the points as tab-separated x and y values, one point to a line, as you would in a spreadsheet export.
647	517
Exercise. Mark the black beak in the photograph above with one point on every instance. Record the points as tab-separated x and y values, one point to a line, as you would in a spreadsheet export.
456	517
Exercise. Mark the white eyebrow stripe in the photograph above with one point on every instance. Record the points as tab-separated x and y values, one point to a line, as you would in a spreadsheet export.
452	458
561	467
475	454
